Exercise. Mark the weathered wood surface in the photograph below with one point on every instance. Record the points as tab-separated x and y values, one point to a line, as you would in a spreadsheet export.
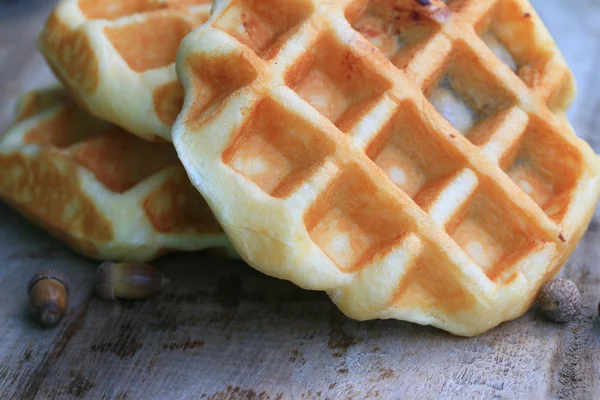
222	330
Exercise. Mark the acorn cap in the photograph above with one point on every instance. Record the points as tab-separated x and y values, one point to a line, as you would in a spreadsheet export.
49	274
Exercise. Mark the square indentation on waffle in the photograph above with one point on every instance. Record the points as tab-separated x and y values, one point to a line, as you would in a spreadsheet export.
277	150
409	150
337	82
434	282
117	159
263	25
161	32
63	128
215	79
398	30
492	231
354	221
510	32
468	96
545	166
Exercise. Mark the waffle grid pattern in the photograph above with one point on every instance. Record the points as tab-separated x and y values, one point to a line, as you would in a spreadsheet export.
352	180
108	194
98	48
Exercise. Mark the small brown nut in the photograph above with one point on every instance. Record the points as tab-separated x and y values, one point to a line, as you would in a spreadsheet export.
130	281
560	300
48	293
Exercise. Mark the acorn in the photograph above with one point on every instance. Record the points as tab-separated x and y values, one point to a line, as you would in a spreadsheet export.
48	293
560	300
129	281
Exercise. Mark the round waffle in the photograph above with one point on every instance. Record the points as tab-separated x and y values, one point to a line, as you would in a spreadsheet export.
384	152
116	57
108	194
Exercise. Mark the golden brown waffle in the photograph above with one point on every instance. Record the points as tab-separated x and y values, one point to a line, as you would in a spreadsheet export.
327	164
108	194
117	58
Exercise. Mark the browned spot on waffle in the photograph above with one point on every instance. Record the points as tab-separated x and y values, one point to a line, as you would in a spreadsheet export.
532	73
168	100
151	43
120	160
57	131
72	55
263	25
64	127
562	95
492	232
277	153
426	287
214	81
413	156
545	166
82	245
177	207
354	221
52	197
337	82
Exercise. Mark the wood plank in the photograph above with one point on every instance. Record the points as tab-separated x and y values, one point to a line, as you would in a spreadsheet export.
221	330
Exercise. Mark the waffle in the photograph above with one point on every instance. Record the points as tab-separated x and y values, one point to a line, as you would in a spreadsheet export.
117	58
384	153
107	194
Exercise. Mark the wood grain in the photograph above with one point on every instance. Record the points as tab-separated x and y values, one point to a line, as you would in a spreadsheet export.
222	330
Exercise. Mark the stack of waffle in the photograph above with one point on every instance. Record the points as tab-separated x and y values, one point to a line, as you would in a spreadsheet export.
410	158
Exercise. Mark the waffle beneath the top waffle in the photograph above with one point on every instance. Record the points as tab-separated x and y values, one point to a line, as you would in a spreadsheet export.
108	194
311	129
117	58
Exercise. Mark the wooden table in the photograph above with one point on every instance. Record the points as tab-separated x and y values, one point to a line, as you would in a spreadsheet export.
222	330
